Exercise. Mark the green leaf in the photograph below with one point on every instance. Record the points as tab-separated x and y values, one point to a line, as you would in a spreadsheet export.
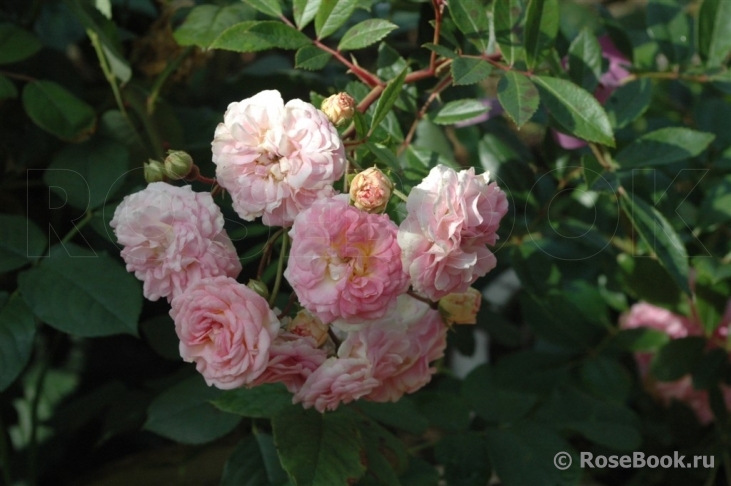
444	410
664	146
606	378
670	26
16	44
716	206
57	111
85	296
311	57
17	332
159	332
183	413
262	401
331	15
491	401
629	102
541	28
714	32
592	169
518	96
21	242
459	110
330	455
585	60
387	99
7	89
523	455
467	70
245	466
304	11
402	414
441	50
385	155
271	8
575	109
385	455
642	339
365	33
259	36
662	239
471	19
465	460
85	175
205	23
507	16
678	358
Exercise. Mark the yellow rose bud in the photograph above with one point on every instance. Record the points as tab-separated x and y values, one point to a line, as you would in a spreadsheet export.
370	190
461	308
308	324
154	171
178	164
339	108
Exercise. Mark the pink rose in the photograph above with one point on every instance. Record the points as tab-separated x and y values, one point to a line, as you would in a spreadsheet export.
292	359
643	314
338	380
451	217
345	263
172	237
226	329
371	190
276	159
399	347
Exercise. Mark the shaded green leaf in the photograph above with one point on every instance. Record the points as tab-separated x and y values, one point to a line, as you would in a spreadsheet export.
16	44
664	146
17	332
331	15
311	58
471	19
57	111
330	455
575	109
384	154
245	465
716	206
465	460
459	110
402	415
541	28
388	98
304	11
662	239
629	102
7	89
518	96
441	50
670	26
84	295
493	402
259	36
365	33
159	332
467	70
263	401
85	175
183	413
714	31
21	242
508	31
271	8
585	60
606	378
205	23
678	358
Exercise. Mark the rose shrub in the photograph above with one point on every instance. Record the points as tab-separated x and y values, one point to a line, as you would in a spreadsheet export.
325	242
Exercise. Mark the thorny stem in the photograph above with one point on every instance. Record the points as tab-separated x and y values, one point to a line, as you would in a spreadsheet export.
195	175
266	251
363	74
280	271
672	75
104	63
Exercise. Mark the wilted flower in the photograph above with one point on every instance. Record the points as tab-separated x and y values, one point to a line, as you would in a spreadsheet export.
226	329
172	237
370	190
461	308
339	108
308	325
275	159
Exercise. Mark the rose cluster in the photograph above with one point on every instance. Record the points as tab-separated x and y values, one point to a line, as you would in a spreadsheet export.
367	288
682	390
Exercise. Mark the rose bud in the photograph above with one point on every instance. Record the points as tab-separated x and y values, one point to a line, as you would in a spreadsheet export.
259	287
178	164
370	190
154	171
460	308
339	108
307	324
